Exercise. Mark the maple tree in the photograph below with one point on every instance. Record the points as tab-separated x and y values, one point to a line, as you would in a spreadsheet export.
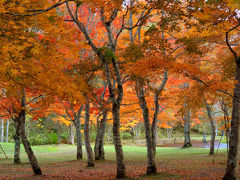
23	64
101	125
60	50
228	22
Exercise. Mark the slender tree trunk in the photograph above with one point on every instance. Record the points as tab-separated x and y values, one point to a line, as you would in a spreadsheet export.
209	112
99	149
226	121
109	133
17	143
232	162
7	130
187	139
227	139
154	122
2	130
26	144
86	137
71	134
79	138
121	172
151	168
116	102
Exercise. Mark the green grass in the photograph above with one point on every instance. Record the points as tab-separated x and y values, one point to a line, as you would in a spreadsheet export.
173	163
9	148
65	152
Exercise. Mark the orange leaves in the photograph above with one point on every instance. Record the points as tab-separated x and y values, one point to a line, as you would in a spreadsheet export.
149	66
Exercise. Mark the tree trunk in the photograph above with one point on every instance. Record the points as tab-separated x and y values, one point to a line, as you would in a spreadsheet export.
99	149
26	144
7	130
187	139
151	168
2	130
71	134
79	138
157	106
226	121
86	137
109	133
209	112
117	142
154	123
116	102
232	162
17	143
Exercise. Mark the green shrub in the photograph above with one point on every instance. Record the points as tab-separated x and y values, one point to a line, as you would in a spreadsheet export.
93	135
126	135
64	137
52	138
38	139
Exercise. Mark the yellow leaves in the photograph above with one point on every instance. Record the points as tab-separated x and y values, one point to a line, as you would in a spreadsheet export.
204	14
20	9
164	125
235	4
63	120
148	66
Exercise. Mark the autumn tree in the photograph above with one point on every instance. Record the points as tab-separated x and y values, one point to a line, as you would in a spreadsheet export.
107	56
101	124
29	57
227	24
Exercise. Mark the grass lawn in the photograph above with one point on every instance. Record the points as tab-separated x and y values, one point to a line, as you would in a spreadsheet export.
59	162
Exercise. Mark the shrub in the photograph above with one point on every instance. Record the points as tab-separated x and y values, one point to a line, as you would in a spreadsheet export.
52	138
126	135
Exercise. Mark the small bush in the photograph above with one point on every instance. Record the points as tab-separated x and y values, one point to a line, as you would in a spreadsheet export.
52	138
64	137
38	139
126	135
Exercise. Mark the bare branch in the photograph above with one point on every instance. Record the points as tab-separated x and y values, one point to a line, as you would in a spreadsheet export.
33	99
39	11
227	41
82	29
204	83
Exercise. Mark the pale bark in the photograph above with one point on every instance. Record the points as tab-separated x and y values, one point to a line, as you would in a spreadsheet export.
156	111
2	130
7	130
116	102
98	148
71	134
86	137
187	138
151	167
226	121
101	125
213	134
109	133
76	121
